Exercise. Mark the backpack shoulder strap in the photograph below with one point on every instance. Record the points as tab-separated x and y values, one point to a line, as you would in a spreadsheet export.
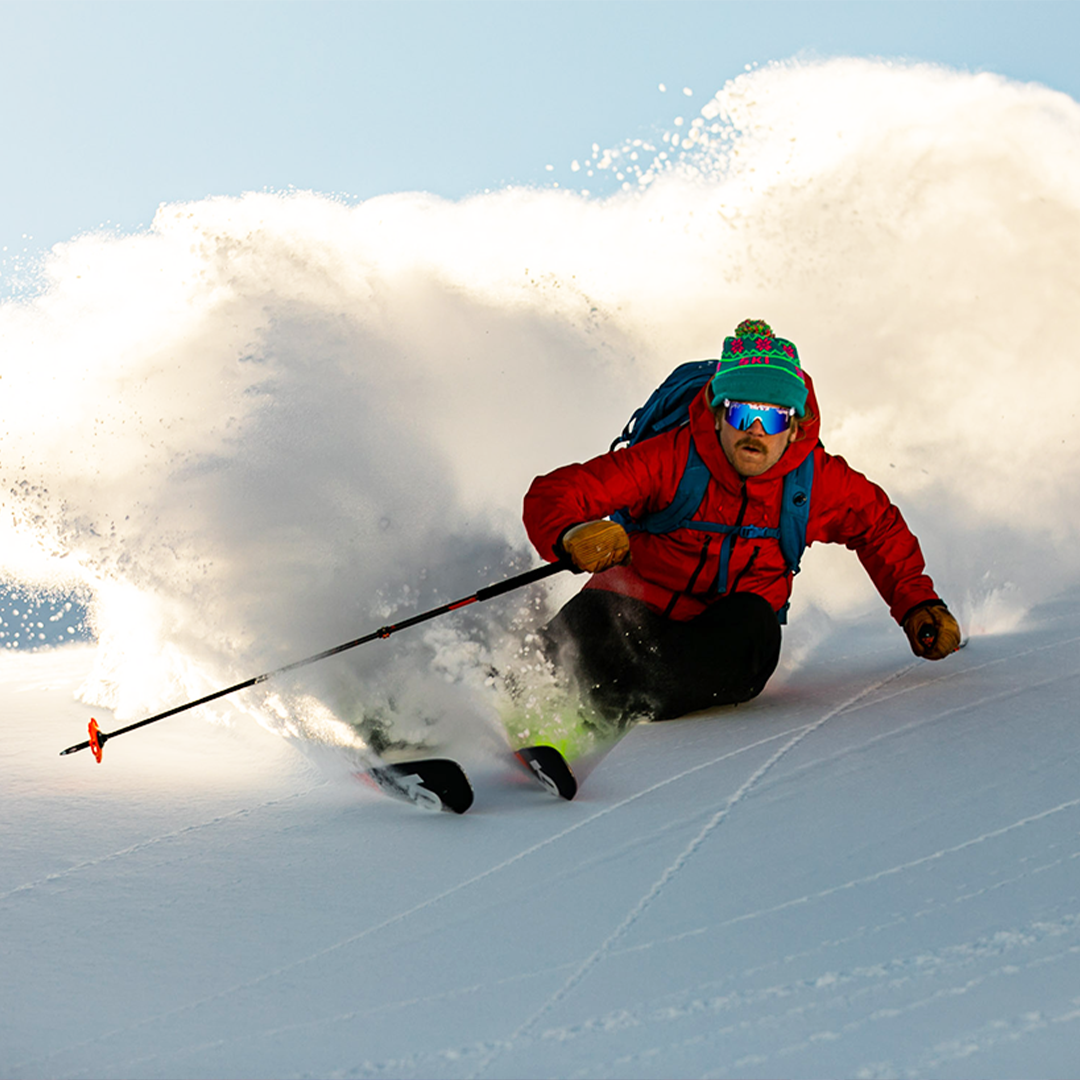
688	496
795	512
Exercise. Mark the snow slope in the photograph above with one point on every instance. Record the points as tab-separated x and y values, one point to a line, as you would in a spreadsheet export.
873	870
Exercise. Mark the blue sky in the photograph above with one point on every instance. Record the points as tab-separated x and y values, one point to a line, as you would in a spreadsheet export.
113	108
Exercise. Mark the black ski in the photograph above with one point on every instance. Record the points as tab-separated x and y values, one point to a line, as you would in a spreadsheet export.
549	768
430	783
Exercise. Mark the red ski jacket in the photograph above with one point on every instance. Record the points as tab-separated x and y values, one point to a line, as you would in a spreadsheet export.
676	573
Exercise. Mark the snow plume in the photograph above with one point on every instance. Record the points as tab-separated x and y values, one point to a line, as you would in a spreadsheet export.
272	423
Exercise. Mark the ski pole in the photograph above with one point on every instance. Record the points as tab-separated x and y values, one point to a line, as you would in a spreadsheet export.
98	737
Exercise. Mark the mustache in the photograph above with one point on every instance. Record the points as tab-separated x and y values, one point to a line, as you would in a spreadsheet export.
751	443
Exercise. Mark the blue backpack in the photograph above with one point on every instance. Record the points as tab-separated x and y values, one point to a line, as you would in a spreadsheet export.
668	408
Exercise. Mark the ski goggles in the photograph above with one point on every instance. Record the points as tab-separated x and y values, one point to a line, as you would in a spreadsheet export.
742	414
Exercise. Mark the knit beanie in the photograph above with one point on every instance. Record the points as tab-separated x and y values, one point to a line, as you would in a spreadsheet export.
758	366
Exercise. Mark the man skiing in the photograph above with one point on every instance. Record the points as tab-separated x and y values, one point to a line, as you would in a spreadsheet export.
683	607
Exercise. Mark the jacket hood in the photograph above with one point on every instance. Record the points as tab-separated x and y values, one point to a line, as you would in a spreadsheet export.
703	430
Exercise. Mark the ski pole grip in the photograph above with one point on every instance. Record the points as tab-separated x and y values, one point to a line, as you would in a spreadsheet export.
928	637
522	580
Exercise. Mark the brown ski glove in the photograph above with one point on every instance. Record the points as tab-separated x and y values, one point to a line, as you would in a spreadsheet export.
932	630
595	546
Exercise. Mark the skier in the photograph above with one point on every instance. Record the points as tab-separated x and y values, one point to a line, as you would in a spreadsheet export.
686	618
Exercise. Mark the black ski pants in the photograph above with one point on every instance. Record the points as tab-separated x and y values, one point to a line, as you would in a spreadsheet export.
631	662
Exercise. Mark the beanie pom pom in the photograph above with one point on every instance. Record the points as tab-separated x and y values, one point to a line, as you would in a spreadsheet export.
754	328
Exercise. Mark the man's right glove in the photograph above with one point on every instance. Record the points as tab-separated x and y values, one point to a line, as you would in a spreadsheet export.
932	630
595	546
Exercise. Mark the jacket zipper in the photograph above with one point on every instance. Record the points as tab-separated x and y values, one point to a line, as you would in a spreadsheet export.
742	508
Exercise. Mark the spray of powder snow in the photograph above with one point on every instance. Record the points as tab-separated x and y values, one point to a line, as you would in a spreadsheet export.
273	423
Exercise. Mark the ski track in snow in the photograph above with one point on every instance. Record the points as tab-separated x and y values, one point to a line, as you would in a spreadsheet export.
142	845
673	869
962	673
857	985
398	918
521	1037
1007	1029
902	868
860	984
896	974
1002	695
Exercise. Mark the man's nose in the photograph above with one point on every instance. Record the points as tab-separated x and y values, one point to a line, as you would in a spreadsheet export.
756	428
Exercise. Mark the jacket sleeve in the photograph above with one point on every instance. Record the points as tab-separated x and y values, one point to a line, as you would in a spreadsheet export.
853	511
638	478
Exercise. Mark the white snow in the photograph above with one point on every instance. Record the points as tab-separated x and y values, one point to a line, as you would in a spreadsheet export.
873	870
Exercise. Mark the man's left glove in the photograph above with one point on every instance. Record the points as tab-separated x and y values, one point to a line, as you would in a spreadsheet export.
595	546
932	630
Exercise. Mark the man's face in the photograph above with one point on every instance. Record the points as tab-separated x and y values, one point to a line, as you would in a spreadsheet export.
753	452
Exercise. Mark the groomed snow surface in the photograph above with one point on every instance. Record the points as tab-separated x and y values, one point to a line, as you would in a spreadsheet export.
871	871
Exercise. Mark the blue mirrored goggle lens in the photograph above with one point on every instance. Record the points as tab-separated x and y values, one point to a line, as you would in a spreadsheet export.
741	415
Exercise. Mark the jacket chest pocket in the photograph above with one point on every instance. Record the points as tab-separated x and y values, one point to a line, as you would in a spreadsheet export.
743	571
718	550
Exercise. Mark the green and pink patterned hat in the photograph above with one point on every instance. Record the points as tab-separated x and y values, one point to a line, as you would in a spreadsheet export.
758	366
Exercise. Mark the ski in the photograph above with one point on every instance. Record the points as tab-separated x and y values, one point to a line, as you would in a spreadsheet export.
430	783
549	768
